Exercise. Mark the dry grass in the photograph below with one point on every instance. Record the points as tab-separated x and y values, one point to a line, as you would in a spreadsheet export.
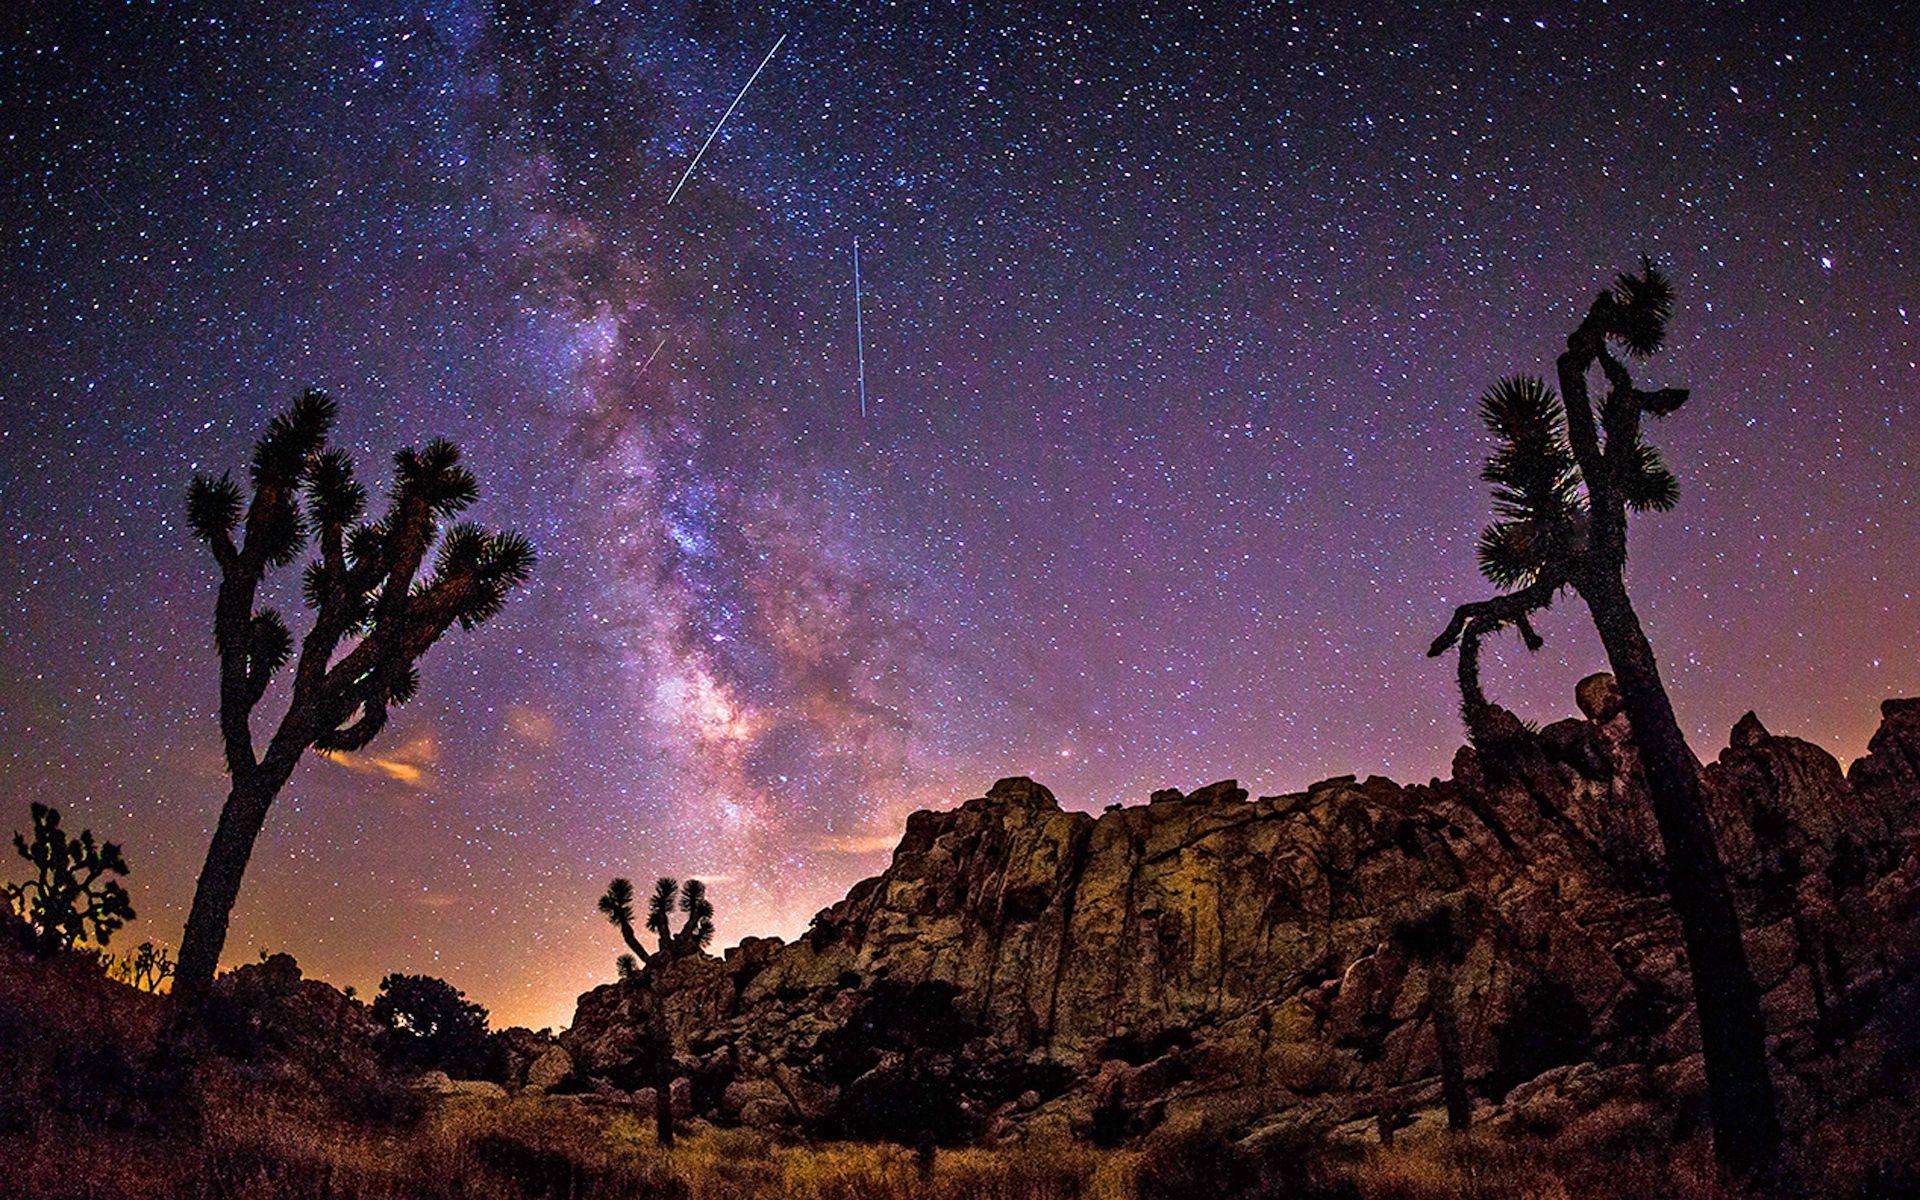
553	1149
533	1150
79	1121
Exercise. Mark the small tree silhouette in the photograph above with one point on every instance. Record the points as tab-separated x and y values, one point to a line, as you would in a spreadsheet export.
147	967
430	1024
1439	939
1564	481
372	620
69	899
641	967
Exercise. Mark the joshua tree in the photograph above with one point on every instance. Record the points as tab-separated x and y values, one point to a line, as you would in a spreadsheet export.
1439	939
644	967
147	967
68	900
1565	477
373	619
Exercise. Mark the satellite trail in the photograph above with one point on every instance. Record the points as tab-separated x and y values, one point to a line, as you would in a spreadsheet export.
723	118
859	332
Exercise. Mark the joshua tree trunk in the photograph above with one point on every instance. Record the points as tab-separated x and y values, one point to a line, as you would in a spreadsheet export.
663	1079
206	933
1446	1034
924	1153
1732	1034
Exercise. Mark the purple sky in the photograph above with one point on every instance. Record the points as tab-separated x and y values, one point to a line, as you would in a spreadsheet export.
1174	324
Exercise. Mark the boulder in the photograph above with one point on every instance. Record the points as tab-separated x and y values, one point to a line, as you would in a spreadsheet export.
1598	696
548	1071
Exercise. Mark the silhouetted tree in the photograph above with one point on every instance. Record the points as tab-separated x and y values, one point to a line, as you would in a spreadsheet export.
69	898
373	619
1439	939
147	967
896	1065
430	1024
646	968
1565	478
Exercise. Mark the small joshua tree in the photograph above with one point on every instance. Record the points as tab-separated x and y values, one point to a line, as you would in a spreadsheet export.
373	619
70	898
646	968
147	967
1565	479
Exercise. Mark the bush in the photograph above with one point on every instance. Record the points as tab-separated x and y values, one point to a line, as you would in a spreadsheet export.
431	1025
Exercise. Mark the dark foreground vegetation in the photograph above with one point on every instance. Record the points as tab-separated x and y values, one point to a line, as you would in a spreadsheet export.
285	1104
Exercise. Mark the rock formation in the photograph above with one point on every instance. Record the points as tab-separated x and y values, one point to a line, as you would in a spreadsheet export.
1210	956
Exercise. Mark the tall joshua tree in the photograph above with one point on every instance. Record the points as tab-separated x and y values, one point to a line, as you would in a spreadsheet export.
372	620
1565	476
648	967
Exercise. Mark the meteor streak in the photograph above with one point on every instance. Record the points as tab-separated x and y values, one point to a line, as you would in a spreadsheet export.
859	332
723	118
664	339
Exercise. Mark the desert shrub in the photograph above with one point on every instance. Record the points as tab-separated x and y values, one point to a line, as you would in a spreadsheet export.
430	1025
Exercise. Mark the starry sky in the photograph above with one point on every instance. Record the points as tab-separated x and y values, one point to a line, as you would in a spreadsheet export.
1173	318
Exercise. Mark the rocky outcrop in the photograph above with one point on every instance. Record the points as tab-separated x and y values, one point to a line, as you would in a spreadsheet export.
1220	956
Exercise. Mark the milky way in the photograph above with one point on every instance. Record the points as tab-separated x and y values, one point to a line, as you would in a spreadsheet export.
1173	323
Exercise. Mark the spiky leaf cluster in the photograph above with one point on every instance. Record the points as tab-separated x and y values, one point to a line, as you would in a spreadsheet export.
1536	483
617	902
71	897
669	895
697	932
1643	305
660	907
1646	483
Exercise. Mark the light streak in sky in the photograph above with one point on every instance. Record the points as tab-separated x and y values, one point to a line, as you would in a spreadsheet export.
723	118
664	339
859	331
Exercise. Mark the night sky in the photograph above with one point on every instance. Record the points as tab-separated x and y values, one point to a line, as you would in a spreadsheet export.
1174	319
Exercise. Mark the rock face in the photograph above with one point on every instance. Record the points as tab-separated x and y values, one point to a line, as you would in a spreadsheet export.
1211	955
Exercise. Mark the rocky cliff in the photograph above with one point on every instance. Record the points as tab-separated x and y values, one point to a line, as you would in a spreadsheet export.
1214	955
